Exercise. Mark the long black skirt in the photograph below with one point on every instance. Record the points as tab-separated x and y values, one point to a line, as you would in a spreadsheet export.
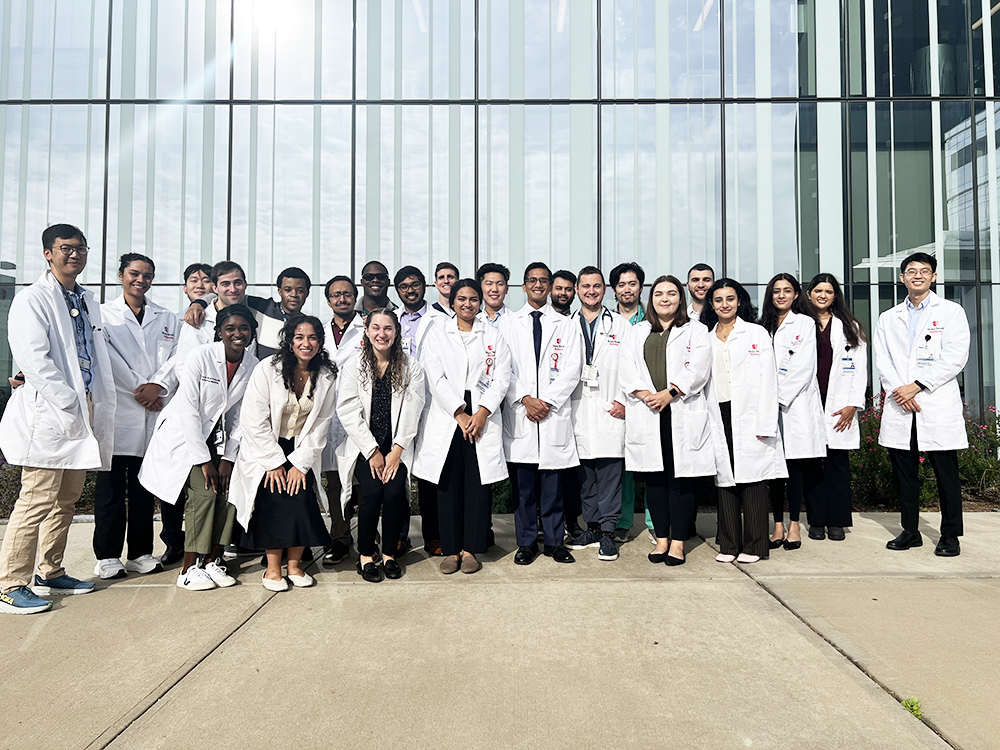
281	520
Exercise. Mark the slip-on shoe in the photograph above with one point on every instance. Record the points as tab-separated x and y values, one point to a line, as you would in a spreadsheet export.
947	546
559	554
905	540
392	570
369	572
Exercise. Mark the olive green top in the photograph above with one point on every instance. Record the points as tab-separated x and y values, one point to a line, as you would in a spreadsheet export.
654	351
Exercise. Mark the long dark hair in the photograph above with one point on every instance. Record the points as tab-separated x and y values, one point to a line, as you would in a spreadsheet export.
284	359
399	366
854	332
744	309
769	313
680	317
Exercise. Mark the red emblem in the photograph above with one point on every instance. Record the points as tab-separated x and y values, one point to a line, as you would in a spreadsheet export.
934	324
753	346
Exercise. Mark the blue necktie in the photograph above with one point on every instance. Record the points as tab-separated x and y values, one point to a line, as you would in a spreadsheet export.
536	330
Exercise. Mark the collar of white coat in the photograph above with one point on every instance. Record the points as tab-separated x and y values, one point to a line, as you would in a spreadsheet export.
546	309
479	326
739	326
48	279
605	316
152	309
900	310
929	300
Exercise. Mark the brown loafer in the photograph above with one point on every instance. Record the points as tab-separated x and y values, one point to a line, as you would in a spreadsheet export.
449	565
433	548
470	564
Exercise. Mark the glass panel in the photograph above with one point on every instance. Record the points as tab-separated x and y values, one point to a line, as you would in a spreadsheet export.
986	189
51	171
957	154
970	379
915	205
762	48
167	185
170	49
858	194
990	301
910	47
953	47
661	188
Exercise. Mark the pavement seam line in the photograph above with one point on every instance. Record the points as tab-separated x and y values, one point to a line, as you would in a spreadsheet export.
888	690
113	732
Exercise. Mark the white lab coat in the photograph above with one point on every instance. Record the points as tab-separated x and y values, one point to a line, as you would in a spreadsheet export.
354	410
689	367
424	324
203	398
846	387
260	423
550	443
801	405
445	365
140	354
45	424
350	346
940	352
190	338
598	434
754	388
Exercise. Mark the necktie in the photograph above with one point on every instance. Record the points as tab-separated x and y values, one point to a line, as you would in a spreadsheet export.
536	330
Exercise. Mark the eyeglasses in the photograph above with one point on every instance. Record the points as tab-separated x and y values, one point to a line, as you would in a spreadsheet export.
536	280
338	295
68	250
409	287
375	277
913	273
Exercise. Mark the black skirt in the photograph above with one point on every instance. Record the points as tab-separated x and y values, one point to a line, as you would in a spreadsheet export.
281	520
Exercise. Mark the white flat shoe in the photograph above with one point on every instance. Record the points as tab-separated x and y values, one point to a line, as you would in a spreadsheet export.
724	558
747	559
270	585
303	581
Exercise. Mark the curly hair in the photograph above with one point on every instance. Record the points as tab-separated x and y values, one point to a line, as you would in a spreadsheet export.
399	366
284	359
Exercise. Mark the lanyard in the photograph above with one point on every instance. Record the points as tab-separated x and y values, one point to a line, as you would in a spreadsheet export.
590	333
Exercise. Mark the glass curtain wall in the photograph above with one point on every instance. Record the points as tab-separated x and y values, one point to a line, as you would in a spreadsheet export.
756	135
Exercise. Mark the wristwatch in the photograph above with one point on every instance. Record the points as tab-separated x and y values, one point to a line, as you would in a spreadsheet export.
920	385
673	392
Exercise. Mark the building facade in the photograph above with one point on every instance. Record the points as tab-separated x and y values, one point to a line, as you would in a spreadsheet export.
756	135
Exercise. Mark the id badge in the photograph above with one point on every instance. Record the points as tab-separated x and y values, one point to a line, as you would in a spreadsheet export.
783	365
406	346
847	365
925	357
554	366
219	440
589	375
484	381
84	364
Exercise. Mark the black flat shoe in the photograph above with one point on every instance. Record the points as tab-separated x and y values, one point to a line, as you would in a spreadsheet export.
392	570
835	533
369	572
791	545
672	561
817	532
525	555
905	540
559	554
656	557
947	547
171	555
775	543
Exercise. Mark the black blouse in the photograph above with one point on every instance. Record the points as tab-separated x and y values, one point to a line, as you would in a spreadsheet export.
381	412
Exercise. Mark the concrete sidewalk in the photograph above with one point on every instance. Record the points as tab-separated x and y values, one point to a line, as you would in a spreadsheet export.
811	649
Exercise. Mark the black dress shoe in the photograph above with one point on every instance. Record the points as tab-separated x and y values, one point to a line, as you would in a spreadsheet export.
817	532
559	554
836	533
525	555
369	572
672	561
392	570
905	540
171	556
775	543
790	545
947	547
656	557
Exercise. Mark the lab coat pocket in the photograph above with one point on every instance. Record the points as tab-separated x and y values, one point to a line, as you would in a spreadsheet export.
696	430
55	425
562	430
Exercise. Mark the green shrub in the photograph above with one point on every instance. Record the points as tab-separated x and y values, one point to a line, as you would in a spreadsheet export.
913	706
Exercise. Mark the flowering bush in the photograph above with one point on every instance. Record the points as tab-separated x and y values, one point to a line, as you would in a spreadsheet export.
875	484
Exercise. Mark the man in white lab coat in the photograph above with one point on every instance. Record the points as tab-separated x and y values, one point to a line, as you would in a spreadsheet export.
493	278
700	280
921	346
56	426
445	275
546	360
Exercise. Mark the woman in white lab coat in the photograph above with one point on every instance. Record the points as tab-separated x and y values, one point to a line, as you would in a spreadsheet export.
382	395
788	316
664	371
746	386
468	372
141	339
285	420
195	443
842	356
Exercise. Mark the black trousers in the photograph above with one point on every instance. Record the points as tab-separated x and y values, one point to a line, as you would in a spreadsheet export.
428	495
833	502
805	475
464	503
172	520
121	503
743	508
670	499
527	503
572	499
389	501
906	464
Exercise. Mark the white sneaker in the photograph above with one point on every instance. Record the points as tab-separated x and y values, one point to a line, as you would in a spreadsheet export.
652	536
110	568
195	579
144	565
219	575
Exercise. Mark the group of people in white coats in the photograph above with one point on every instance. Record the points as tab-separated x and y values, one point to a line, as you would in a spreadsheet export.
235	413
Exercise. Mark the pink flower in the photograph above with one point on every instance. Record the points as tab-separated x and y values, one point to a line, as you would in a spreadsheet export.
921	459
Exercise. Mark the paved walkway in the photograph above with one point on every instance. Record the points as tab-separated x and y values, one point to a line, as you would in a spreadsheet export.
812	649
